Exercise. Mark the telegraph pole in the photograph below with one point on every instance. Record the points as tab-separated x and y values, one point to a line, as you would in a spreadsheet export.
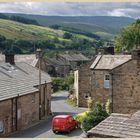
38	51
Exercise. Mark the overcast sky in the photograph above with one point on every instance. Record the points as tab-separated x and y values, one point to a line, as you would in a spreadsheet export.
72	9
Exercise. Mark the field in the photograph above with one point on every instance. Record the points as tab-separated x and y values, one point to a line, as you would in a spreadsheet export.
105	26
11	30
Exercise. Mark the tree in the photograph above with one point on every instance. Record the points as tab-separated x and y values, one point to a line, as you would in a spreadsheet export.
129	37
23	20
67	35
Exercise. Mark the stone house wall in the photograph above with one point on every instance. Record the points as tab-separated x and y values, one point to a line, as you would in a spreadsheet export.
19	113
22	112
27	110
126	87
83	84
99	93
43	65
46	100
5	117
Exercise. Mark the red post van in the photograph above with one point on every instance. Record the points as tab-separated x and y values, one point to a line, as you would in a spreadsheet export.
63	123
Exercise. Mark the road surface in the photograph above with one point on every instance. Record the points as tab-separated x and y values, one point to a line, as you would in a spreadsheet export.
43	129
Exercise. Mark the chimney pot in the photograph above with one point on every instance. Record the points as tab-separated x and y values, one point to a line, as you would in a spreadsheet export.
9	58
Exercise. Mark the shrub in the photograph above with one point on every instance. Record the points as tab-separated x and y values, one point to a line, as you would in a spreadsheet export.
72	101
63	83
94	117
90	103
81	117
107	106
67	35
58	83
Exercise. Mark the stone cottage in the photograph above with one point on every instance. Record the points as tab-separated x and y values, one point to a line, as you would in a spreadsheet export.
75	59
94	79
62	64
101	87
82	83
125	85
31	59
113	77
57	66
21	103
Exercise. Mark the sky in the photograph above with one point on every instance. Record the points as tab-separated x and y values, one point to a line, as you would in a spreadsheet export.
72	9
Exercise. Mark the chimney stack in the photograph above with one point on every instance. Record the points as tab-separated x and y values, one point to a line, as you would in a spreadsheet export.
136	54
10	58
38	53
105	50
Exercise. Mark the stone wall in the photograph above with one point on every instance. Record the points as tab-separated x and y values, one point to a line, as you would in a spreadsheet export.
126	87
43	65
98	92
5	117
22	112
84	84
27	110
46	100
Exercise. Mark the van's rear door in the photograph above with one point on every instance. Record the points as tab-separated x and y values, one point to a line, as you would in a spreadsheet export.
58	124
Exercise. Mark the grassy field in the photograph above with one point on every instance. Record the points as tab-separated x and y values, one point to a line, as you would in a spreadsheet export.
107	26
105	35
11	29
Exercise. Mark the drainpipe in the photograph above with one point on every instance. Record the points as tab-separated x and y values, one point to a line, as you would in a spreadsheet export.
16	113
12	113
111	92
45	108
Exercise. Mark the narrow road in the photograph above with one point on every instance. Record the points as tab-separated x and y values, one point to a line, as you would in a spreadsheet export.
43	129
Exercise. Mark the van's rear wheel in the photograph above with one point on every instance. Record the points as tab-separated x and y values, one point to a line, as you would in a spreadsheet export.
68	131
54	131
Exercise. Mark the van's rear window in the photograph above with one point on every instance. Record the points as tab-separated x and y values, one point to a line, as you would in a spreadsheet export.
60	120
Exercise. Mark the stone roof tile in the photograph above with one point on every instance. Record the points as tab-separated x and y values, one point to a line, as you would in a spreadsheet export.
74	57
109	62
19	79
118	125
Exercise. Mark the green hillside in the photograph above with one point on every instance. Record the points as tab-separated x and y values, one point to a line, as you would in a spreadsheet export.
11	30
104	26
24	38
59	33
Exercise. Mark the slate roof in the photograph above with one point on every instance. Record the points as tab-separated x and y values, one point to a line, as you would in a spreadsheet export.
74	57
118	125
19	79
109	62
28	58
57	61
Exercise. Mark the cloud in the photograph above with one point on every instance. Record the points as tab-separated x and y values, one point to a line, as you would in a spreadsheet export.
128	12
118	13
72	9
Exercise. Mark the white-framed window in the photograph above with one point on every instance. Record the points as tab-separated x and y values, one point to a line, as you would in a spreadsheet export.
106	81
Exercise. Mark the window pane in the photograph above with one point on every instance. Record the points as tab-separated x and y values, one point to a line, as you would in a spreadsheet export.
106	81
106	84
